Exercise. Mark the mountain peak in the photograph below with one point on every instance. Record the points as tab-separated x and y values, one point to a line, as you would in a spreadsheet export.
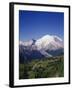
49	42
51	37
47	37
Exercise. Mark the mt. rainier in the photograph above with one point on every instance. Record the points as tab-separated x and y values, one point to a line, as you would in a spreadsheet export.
47	46
49	42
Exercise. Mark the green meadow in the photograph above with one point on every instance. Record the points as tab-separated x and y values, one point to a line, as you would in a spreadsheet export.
43	68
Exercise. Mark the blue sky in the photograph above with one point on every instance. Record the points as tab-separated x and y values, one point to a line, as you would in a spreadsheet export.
35	24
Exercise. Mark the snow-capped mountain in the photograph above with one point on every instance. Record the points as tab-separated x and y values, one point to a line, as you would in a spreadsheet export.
49	42
46	46
27	43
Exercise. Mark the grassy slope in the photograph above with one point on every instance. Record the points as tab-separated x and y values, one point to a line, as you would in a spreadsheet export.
44	68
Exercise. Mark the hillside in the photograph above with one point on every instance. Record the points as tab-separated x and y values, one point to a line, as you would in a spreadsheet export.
43	68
